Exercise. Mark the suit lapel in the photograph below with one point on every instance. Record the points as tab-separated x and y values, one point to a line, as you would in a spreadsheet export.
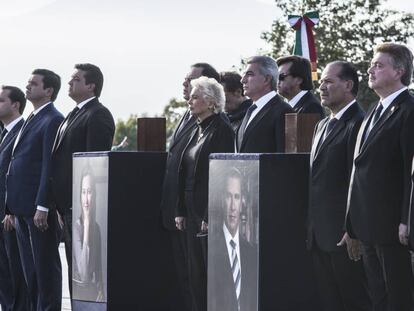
301	103
59	137
184	131
255	121
340	124
11	134
318	137
32	122
395	105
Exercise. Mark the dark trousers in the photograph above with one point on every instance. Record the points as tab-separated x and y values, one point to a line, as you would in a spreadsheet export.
6	284
341	282
41	262
179	249
197	266
13	289
67	238
388	269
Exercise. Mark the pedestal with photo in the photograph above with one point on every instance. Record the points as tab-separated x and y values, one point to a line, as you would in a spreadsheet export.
257	258
121	255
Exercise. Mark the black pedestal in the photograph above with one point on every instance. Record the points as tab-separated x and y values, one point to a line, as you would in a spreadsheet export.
135	255
262	199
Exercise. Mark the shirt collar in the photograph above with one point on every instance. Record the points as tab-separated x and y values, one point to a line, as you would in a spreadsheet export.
264	99
36	111
10	126
297	98
390	98
81	104
229	237
341	112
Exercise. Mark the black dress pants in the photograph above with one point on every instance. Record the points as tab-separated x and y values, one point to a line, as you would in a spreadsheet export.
388	269
342	283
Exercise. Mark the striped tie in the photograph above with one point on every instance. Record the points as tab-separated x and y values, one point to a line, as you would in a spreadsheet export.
235	269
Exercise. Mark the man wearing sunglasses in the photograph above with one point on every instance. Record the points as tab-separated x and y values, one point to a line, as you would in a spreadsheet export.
295	84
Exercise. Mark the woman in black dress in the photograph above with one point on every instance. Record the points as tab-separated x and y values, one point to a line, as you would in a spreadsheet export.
212	135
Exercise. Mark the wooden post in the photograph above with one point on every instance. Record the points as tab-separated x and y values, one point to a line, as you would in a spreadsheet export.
299	128
151	134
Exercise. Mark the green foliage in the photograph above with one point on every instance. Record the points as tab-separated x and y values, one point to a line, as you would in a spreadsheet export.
173	111
127	128
347	30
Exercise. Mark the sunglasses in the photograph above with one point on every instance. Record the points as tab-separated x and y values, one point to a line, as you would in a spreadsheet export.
283	76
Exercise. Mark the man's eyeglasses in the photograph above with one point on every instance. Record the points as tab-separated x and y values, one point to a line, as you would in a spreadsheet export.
283	76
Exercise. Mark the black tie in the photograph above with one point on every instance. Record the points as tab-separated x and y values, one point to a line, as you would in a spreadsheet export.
377	114
375	118
330	126
72	114
69	119
328	129
26	122
3	134
243	125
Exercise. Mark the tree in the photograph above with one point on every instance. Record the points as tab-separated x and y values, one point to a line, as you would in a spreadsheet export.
173	111
347	30
127	128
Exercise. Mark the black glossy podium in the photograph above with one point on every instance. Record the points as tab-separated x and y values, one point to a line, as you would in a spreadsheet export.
121	255
257	256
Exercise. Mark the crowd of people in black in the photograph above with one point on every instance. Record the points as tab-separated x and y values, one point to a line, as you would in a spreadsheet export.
360	170
36	182
360	190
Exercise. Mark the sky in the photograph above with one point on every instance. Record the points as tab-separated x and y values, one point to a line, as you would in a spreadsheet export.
143	47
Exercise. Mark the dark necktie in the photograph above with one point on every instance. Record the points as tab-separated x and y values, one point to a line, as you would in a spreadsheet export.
377	114
330	126
22	129
68	120
243	125
235	269
328	129
375	118
3	134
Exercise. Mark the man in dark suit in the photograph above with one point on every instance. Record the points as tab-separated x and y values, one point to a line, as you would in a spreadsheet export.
295	84
232	276
37	229
236	103
170	190
13	289
263	127
339	271
89	127
379	191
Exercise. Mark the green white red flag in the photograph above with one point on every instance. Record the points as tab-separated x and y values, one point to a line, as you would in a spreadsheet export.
305	42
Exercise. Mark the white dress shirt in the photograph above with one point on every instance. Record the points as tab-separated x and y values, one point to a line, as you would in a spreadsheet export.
260	103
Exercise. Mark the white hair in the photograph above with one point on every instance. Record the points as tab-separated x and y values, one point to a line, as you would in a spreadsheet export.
211	90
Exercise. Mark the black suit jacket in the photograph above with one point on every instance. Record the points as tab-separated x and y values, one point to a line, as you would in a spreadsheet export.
170	188
379	193
266	132
411	233
331	166
92	129
6	148
221	289
309	104
218	137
